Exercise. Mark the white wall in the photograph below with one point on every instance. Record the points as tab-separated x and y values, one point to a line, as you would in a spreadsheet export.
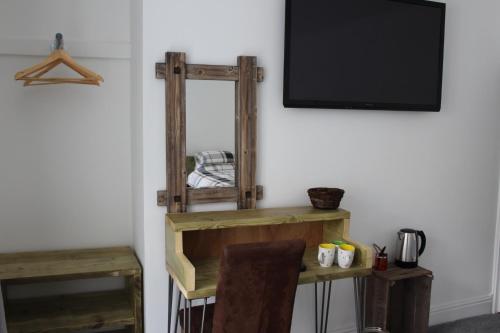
433	171
65	156
137	129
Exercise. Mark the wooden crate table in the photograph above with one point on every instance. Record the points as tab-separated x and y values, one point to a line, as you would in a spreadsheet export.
398	300
195	242
73	312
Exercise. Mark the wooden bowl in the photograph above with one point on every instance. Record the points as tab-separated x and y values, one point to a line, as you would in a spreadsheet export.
325	197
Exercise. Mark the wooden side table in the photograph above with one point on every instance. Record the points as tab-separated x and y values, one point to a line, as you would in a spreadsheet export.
73	312
398	300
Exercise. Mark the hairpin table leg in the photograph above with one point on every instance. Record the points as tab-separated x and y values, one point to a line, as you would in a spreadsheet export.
177	311
359	302
189	327
170	296
203	315
322	306
328	304
316	306
324	315
184	323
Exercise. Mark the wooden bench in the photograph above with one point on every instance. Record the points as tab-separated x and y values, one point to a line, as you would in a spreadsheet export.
73	312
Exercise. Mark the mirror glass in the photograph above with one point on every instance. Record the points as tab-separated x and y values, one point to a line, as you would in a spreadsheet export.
210	133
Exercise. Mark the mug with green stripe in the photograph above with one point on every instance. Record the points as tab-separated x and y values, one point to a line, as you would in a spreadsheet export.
337	243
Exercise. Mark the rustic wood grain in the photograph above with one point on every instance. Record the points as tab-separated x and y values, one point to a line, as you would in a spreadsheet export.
208	195
394	273
251	217
70	313
423	286
175	85
195	240
119	261
178	265
246	132
398	299
246	75
209	72
203	244
135	287
377	305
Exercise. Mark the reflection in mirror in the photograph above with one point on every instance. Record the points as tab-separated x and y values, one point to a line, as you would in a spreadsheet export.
210	133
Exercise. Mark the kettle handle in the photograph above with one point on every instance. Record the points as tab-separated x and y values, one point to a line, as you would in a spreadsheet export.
423	242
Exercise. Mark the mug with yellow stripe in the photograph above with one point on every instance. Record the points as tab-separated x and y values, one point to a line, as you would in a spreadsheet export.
346	255
326	253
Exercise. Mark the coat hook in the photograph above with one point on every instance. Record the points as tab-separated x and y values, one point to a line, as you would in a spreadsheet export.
58	43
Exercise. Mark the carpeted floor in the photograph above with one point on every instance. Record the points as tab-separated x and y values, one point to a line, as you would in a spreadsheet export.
481	324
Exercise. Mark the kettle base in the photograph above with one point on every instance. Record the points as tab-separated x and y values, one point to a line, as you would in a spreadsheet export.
405	264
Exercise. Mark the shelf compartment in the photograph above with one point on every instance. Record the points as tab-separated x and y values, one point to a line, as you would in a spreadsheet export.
207	272
70	313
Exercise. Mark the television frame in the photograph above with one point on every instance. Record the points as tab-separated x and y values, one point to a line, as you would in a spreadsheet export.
364	105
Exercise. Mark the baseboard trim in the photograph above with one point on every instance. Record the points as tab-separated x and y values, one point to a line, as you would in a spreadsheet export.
77	49
469	307
442	313
345	329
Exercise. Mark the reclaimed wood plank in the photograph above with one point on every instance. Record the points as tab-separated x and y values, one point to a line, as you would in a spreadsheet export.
251	217
423	286
394	273
246	132
209	72
202	244
178	266
175	116
208	195
117	261
377	302
135	287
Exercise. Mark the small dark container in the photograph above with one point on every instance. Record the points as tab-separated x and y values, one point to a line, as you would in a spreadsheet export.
381	262
325	198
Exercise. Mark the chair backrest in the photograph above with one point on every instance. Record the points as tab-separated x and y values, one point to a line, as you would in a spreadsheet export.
256	287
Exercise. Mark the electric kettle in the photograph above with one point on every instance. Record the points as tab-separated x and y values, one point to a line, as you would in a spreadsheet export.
409	248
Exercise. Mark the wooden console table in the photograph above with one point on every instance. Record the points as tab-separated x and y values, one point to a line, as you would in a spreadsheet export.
73	312
195	241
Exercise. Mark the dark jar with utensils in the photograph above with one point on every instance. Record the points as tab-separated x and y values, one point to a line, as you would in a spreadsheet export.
381	262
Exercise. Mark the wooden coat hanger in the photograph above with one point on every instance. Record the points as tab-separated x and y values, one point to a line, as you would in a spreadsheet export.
34	76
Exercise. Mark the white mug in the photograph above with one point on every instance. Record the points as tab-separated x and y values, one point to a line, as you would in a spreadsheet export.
337	243
326	253
346	255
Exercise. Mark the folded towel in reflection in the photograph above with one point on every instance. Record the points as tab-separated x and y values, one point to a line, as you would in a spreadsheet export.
218	175
213	157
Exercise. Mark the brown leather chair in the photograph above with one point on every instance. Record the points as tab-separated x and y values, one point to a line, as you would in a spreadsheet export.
255	290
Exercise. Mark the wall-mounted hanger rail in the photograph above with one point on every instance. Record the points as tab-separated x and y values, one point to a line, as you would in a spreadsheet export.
35	75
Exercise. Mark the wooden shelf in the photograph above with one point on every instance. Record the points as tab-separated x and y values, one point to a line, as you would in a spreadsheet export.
119	261
207	272
251	217
70	313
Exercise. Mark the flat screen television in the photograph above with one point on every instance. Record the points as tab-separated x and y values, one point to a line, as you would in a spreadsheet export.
364	54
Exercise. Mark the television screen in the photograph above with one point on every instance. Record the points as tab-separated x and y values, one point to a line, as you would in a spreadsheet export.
364	54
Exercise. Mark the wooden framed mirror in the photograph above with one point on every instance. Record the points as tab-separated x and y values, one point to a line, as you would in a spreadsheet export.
245	75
